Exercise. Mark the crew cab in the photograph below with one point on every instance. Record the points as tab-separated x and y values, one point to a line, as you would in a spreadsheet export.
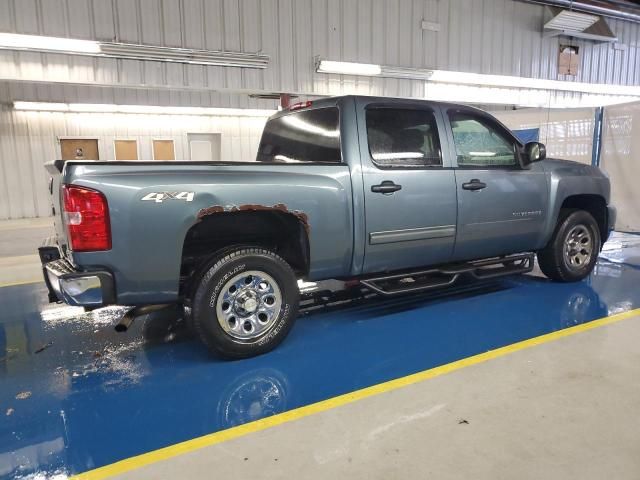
400	195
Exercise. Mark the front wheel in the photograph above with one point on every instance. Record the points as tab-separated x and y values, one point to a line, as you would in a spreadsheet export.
245	302
573	249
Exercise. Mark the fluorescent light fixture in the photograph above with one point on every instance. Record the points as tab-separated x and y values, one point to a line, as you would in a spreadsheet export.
521	97
139	109
348	68
480	79
486	95
571	21
12	41
445	85
37	43
466	78
183	55
45	106
89	107
371	70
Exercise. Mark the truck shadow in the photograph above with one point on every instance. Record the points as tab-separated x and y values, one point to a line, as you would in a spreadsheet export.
170	326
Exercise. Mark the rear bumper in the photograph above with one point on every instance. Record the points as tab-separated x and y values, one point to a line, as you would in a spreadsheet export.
93	288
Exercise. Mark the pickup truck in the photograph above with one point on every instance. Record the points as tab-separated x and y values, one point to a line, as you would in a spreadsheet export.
399	195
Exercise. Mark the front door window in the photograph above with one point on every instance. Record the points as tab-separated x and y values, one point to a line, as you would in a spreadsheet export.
478	144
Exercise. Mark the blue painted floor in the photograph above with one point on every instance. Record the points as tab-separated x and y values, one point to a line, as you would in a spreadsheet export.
75	395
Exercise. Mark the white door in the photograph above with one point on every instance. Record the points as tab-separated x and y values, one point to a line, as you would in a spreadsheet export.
204	146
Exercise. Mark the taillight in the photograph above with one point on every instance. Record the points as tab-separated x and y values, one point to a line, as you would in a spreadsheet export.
87	219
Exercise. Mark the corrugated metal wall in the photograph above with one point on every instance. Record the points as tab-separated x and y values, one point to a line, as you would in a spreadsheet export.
486	36
11	91
30	139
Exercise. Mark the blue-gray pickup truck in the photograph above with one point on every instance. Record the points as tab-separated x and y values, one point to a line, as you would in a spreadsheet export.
399	195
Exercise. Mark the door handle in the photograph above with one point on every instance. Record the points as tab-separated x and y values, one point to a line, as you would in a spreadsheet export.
387	187
474	184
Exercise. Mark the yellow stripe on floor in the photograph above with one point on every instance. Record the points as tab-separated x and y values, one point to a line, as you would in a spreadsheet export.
25	282
165	453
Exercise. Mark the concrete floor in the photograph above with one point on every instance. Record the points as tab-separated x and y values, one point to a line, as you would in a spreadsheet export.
19	242
562	410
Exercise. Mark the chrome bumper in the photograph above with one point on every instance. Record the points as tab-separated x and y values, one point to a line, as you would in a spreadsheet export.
83	289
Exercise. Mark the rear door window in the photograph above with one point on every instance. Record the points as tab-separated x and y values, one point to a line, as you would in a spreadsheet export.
403	137
302	137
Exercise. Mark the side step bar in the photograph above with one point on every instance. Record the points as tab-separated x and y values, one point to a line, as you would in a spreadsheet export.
417	281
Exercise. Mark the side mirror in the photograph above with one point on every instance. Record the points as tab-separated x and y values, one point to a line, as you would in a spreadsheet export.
534	152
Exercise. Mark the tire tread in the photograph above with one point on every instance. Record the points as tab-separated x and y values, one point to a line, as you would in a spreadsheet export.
211	268
550	258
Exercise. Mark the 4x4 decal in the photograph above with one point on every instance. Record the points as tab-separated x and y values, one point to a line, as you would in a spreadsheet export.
159	197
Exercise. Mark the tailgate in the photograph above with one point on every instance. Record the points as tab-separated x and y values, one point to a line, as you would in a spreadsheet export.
54	169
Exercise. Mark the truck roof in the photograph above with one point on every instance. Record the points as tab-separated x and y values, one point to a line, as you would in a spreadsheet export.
331	101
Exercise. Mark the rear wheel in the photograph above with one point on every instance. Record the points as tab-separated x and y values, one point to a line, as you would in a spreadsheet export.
245	302
573	249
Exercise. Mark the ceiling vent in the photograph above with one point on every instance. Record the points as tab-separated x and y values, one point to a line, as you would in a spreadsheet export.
578	25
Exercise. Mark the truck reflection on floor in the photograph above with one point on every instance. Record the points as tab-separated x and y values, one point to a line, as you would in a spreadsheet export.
256	395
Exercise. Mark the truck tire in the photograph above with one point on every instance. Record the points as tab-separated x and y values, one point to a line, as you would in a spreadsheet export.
245	302
573	249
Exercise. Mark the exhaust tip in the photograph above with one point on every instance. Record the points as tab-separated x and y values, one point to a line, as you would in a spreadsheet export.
128	318
121	328
126	321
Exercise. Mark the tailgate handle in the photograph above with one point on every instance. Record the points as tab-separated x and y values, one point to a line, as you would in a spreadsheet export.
387	187
474	184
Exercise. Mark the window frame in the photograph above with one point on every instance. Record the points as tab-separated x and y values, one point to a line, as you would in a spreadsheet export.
311	109
490	122
404	106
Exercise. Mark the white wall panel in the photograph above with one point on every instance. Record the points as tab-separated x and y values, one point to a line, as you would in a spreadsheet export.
485	36
621	160
30	139
36	92
567	133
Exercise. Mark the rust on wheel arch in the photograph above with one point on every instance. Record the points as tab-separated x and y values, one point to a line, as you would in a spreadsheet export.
279	207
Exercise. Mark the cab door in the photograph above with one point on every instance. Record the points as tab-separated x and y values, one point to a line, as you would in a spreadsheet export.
501	205
409	187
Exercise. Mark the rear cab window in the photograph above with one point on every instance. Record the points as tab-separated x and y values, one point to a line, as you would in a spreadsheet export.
307	136
403	137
